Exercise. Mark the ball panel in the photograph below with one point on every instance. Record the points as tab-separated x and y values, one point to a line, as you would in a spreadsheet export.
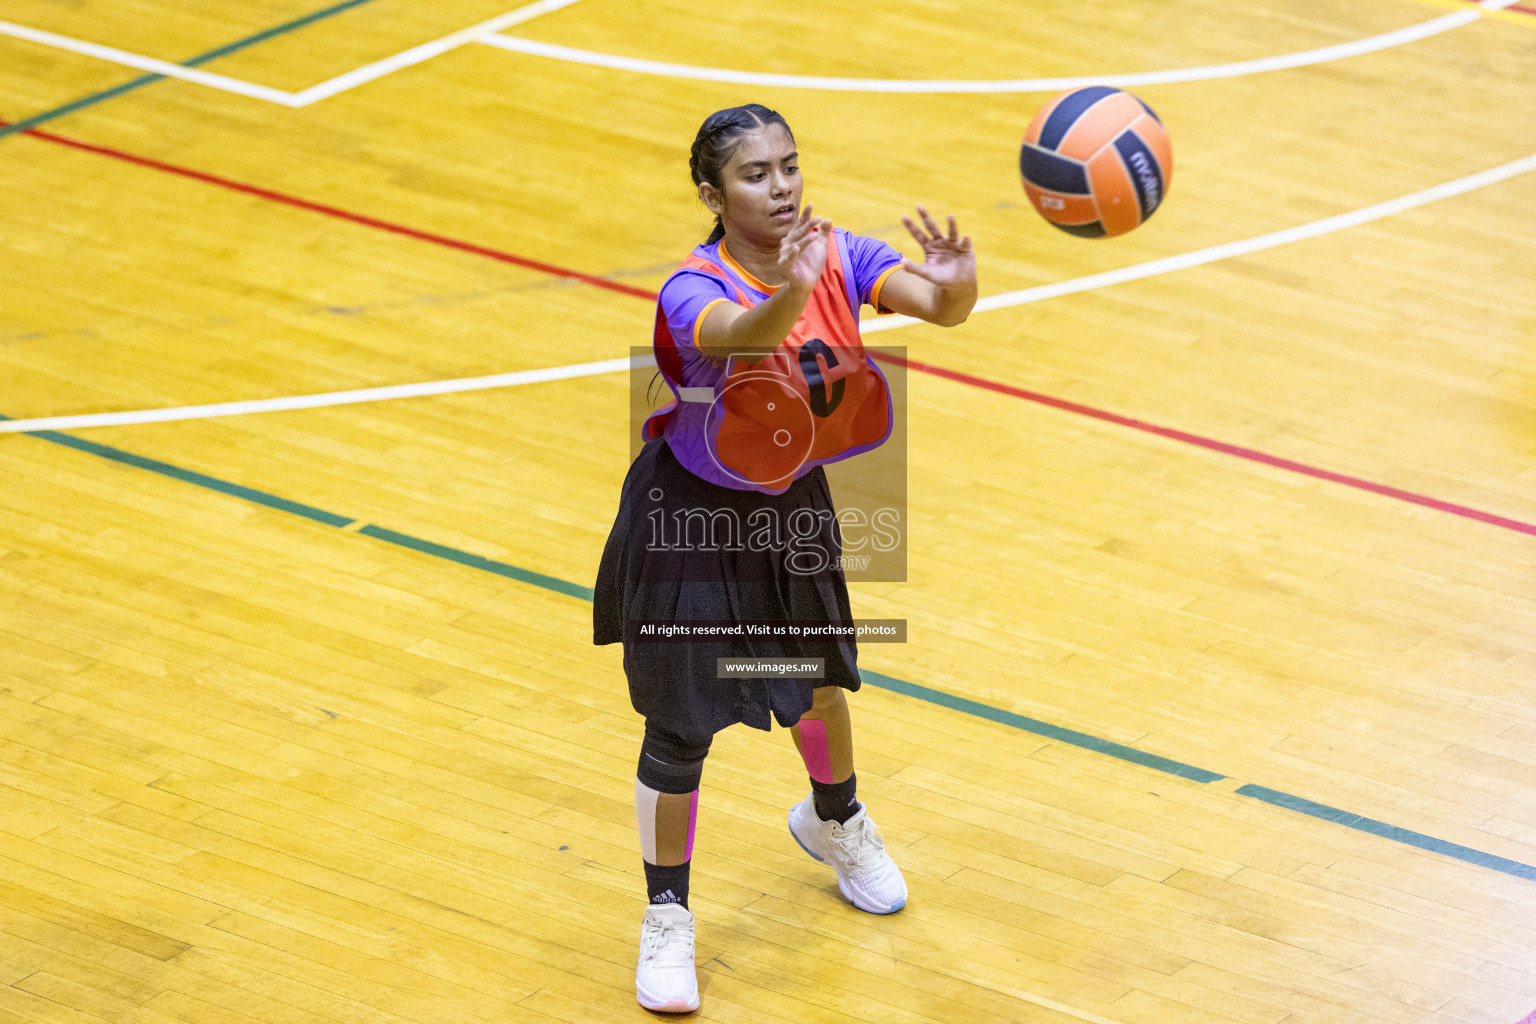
1097	127
1155	136
1032	133
1094	230
1142	171
1051	172
1062	209
1067	110
1119	209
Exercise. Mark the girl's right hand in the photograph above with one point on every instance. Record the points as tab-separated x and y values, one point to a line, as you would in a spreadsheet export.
803	251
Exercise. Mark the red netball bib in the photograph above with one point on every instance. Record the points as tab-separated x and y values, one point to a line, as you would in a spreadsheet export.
817	398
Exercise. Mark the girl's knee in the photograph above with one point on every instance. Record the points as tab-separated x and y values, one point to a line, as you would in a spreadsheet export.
827	698
671	763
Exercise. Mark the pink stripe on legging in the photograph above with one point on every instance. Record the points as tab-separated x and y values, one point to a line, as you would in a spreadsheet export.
813	749
693	819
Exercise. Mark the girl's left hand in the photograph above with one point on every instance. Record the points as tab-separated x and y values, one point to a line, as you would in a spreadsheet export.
950	262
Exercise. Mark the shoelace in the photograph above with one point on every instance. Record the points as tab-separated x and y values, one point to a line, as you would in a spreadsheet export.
666	944
852	840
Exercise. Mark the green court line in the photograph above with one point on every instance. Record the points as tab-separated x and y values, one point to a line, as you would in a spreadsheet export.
1039	728
879	680
427	547
190	477
202	58
1385	831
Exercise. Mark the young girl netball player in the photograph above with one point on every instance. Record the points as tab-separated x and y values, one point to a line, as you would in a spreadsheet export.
757	336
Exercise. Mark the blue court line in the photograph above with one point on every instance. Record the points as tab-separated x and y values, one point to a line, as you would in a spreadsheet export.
879	680
202	58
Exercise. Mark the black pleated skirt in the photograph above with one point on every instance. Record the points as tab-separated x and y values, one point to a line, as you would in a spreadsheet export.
674	684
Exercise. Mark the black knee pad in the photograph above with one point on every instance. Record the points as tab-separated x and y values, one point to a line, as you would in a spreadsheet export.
670	763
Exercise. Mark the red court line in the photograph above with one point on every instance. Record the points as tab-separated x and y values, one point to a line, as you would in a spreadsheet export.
1221	446
347	215
1523	9
1210	444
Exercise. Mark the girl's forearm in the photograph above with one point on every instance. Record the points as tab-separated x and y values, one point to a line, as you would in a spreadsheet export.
953	304
757	331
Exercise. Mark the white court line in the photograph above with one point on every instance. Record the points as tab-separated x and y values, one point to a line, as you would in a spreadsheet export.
1199	257
1387	40
487	32
436	387
161	67
294	100
1152	268
426	51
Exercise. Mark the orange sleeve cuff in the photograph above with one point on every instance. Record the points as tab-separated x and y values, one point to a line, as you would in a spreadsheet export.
874	292
698	321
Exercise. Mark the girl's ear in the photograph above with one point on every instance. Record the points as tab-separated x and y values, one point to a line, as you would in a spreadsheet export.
711	198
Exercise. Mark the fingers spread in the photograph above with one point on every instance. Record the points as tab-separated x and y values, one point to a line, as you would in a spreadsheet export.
921	238
933	229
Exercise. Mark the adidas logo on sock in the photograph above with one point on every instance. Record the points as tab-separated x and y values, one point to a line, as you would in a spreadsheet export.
666	897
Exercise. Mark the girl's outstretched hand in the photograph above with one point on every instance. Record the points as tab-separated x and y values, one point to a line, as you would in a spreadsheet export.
949	261
803	252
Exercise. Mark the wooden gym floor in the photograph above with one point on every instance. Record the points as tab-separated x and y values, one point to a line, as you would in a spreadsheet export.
1220	699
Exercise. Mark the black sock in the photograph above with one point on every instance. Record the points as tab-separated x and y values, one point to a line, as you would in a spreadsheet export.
667	884
835	801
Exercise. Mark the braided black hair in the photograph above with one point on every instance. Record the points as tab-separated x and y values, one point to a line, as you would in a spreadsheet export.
717	140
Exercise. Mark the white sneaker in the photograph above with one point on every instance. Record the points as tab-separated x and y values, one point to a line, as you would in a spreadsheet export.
865	872
665	979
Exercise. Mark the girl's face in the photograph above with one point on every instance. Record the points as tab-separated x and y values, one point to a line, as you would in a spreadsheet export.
762	185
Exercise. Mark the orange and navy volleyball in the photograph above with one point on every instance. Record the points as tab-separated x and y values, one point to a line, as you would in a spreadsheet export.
1096	162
